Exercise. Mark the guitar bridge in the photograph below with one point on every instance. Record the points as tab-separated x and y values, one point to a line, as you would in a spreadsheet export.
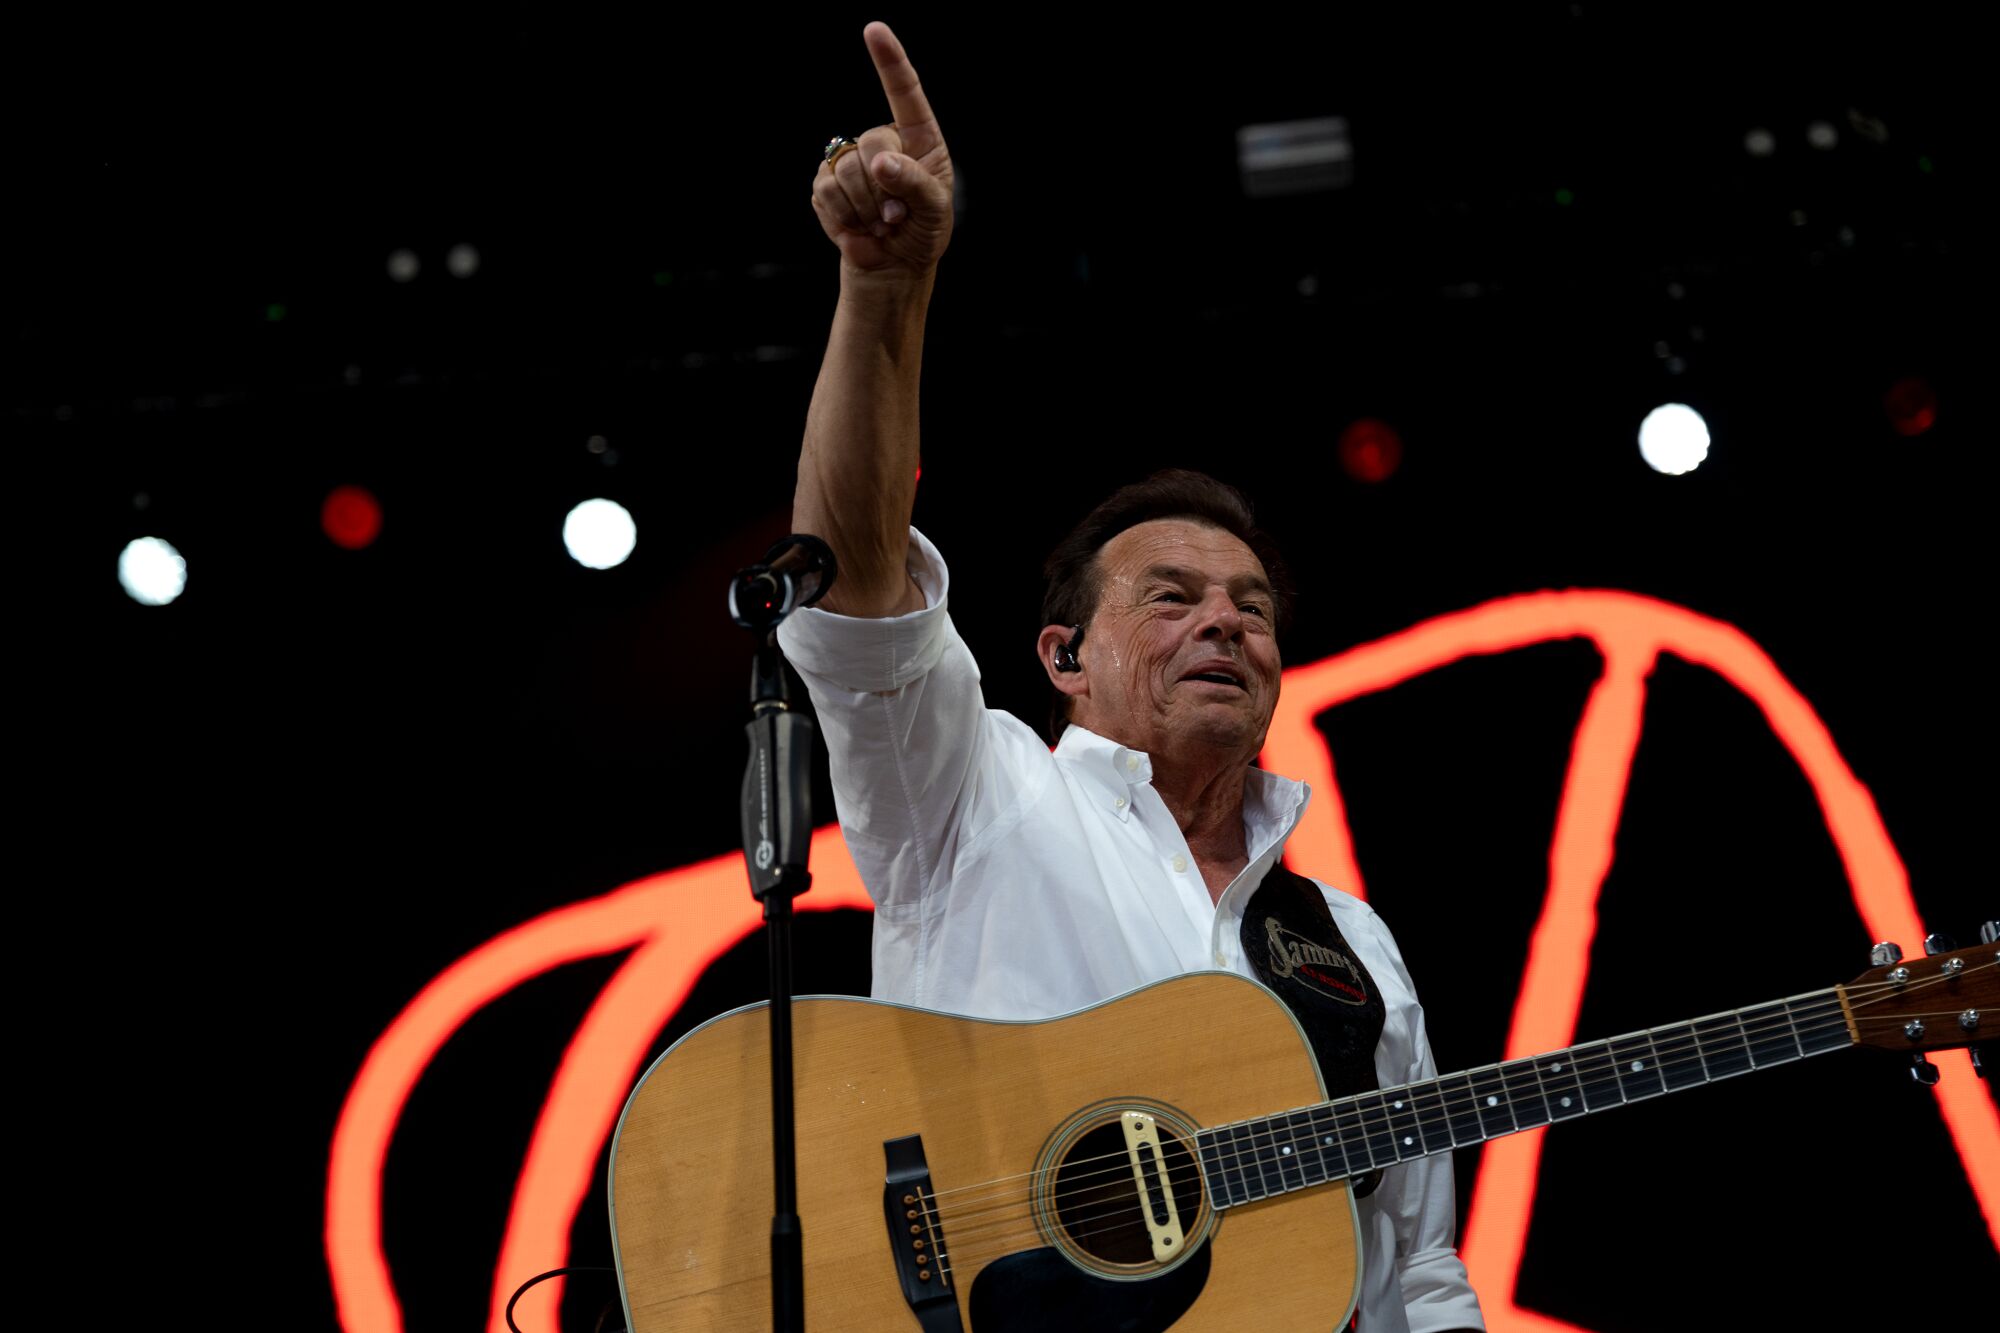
916	1237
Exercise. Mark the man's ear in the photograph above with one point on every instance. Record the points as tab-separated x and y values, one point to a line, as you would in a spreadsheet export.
1061	661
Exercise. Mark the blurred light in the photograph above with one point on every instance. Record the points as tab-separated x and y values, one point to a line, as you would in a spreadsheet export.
1370	450
403	265
274	312
151	571
351	517
462	261
1822	135
1565	197
600	534
597	444
1673	439
1760	142
1911	405
1872	128
1294	157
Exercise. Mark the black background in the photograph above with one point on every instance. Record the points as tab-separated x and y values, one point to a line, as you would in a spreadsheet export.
295	795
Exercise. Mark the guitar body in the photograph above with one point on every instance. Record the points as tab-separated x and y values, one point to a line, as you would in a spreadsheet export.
1013	1118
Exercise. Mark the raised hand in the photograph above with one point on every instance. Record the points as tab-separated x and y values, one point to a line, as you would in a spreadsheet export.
887	204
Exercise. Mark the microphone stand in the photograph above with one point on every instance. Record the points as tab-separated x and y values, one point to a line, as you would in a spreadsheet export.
777	837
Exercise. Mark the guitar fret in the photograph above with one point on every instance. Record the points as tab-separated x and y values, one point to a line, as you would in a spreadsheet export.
1723	1049
1680	1057
1821	1024
1246	1183
1285	1155
1772	1040
1351	1128
1524	1093
1489	1094
1598	1076
1266	1180
1311	1161
1432	1123
1404	1140
1637	1065
1560	1088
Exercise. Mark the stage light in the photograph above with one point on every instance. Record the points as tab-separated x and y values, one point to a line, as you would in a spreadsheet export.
1911	405
1760	142
1370	450
151	571
1822	135
600	534
403	265
462	261
1673	439
351	517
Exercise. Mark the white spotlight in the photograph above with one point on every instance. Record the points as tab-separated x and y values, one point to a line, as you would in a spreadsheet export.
403	265
600	534
1673	439
1760	142
462	260
1822	135
151	571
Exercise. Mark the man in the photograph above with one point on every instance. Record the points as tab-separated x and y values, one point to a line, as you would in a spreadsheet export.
1014	883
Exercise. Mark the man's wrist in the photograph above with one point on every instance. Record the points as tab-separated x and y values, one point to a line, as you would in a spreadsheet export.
884	294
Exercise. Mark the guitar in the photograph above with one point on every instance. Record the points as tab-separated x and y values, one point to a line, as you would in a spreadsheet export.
1106	1170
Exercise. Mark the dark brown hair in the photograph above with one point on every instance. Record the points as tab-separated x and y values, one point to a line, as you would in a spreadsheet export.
1075	582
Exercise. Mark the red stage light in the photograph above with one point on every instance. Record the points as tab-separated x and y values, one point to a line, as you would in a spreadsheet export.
351	517
1370	450
1911	405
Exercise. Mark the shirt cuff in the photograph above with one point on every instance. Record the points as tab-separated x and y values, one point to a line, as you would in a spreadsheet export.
868	655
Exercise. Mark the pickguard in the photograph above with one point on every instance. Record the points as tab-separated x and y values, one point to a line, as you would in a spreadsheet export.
1039	1291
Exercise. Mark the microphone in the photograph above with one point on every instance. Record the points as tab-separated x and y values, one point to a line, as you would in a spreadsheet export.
795	572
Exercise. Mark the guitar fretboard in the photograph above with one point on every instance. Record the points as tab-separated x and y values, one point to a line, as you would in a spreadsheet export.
1295	1150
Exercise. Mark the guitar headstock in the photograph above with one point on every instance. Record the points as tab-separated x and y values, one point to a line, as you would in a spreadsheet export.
1950	998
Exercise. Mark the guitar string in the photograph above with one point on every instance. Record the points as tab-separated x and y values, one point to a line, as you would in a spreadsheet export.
1452	1105
1369	1122
1829	1019
1074	1183
1261	1142
1189	1171
1120	1215
1826	1000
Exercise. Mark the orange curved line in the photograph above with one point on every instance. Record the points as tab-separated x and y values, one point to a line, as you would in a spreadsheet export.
1629	629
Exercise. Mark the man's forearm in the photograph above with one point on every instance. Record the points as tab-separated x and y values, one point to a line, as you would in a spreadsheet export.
857	466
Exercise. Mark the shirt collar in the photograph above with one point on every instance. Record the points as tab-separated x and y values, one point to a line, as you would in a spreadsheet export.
1272	804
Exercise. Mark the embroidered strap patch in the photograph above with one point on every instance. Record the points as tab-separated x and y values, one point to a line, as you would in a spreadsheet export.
1295	948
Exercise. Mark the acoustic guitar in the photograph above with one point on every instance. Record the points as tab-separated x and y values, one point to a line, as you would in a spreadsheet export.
1162	1160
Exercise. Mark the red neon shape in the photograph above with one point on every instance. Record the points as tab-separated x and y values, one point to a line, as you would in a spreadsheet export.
678	922
1370	450
351	517
1911	405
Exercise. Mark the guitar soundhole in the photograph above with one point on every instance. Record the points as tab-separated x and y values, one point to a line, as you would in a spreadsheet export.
1099	1205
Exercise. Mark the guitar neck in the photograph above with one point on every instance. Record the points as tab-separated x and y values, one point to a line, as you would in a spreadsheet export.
1294	1150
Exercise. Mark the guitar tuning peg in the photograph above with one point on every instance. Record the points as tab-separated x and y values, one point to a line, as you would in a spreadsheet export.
1884	954
1989	932
1923	1071
1937	944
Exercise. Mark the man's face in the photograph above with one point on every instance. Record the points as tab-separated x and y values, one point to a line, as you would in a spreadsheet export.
1182	649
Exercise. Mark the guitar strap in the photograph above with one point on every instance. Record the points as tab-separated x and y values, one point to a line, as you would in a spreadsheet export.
1295	948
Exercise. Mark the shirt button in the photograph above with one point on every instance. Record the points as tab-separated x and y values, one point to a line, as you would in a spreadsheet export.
1218	958
1180	863
1131	763
1118	804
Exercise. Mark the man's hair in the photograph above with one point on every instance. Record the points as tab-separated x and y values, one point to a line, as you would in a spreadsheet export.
1075	581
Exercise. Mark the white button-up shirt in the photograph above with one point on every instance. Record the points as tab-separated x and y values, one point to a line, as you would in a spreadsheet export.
1015	883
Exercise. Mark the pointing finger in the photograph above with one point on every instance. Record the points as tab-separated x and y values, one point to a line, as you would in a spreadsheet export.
907	103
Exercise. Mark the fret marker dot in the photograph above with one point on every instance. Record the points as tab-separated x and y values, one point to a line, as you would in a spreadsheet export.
1492	1101
1397	1105
1638	1065
1407	1140
1286	1150
1556	1068
1328	1140
1565	1101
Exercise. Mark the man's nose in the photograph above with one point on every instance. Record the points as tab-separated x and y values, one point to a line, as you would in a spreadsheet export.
1220	618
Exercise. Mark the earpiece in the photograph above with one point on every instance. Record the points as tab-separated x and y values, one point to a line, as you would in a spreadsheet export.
1066	652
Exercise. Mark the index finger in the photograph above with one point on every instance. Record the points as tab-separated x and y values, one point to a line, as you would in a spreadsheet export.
907	103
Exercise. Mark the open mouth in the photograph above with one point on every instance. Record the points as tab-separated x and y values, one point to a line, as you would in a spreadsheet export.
1215	678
